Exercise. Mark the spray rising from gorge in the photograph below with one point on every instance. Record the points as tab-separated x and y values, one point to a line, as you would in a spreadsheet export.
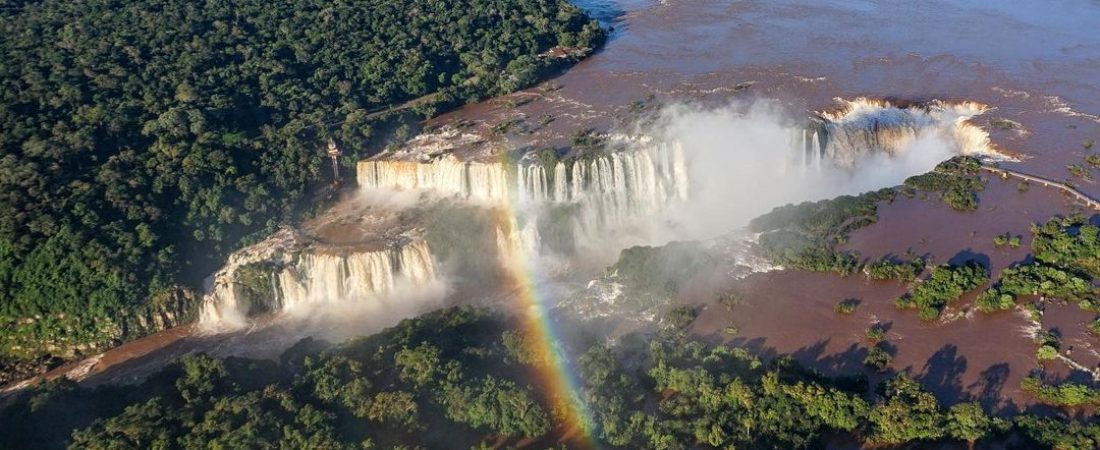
746	159
687	173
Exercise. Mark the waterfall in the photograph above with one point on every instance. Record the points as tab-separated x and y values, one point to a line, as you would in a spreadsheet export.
514	241
632	176
844	136
803	150
358	276
311	279
605	200
485	182
560	188
608	192
817	152
223	308
861	126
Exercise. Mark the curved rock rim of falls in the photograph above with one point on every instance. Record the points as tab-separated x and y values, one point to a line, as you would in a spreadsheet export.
281	274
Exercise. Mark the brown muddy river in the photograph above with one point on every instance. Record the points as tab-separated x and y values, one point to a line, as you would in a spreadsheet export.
1034	63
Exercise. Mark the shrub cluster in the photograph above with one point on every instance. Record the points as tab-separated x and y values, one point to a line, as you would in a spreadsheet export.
846	306
1067	259
891	269
1008	239
944	285
1049	343
1066	394
661	270
956	181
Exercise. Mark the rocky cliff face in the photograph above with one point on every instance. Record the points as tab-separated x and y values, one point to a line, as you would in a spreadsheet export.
863	126
175	307
285	272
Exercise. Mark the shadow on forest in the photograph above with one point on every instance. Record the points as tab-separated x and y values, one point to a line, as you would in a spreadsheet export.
941	374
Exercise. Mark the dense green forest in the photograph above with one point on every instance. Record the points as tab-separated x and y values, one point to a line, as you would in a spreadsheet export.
461	378
807	235
944	285
142	140
956	180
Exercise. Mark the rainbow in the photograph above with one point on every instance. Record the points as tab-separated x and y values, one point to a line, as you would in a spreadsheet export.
561	386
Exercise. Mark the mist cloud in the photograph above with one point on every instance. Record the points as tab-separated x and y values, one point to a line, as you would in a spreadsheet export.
746	159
